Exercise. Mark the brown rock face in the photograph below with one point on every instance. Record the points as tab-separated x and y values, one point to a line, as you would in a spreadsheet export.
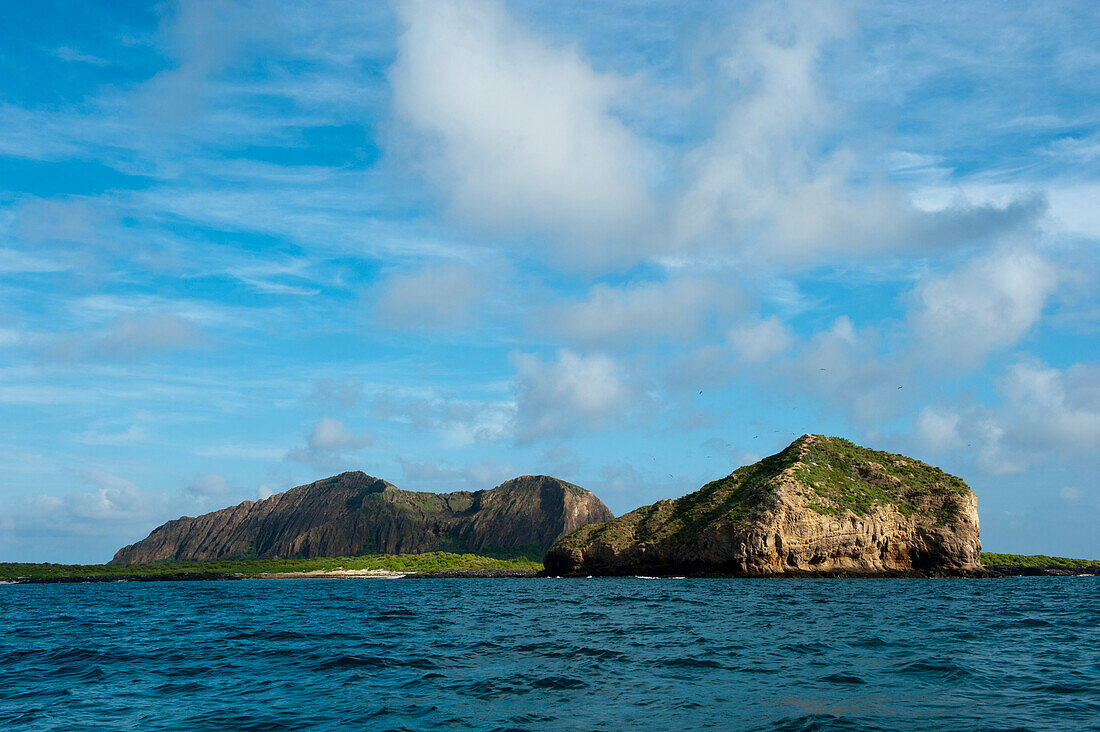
822	506
353	513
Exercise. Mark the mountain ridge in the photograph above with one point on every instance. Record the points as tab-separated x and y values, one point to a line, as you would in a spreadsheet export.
355	513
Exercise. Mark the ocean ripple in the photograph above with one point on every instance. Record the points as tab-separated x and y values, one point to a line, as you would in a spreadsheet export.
529	654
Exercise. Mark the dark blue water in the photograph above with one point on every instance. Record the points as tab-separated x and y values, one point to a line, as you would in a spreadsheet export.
602	654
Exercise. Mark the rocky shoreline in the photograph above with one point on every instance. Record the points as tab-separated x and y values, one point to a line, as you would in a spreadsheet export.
989	572
226	576
1009	570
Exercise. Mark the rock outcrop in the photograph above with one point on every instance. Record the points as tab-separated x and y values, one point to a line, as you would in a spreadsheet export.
823	506
354	513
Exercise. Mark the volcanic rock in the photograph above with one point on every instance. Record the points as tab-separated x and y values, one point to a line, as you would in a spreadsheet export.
354	513
822	506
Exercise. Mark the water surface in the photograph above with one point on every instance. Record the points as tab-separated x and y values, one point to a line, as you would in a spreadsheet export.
545	654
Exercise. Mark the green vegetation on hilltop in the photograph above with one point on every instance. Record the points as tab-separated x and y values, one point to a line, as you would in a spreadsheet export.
992	559
857	478
737	497
430	562
840	475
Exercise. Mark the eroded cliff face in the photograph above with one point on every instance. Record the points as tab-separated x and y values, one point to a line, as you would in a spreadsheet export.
822	506
354	513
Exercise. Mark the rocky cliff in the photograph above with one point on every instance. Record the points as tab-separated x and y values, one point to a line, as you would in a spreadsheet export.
353	513
822	506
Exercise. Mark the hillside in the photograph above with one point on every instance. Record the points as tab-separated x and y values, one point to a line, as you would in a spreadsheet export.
821	506
354	513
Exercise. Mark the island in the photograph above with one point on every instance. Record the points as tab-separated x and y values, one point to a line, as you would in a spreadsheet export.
821	507
355	514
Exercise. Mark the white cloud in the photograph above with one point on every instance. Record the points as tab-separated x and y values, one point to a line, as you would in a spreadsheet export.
131	337
846	367
938	429
460	422
60	220
209	485
134	434
328	443
761	341
271	278
433	297
775	184
524	139
447	477
638	314
241	452
1076	150
572	393
205	38
114	498
337	393
1052	409
988	304
333	435
1071	494
69	54
13	261
1046	412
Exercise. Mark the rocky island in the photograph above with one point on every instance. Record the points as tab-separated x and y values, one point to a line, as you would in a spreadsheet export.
821	507
355	514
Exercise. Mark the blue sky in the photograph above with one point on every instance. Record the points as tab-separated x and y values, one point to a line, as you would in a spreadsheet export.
634	245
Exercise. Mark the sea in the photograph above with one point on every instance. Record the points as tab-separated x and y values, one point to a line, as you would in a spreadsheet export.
553	654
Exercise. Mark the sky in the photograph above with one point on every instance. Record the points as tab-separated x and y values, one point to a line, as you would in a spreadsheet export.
634	245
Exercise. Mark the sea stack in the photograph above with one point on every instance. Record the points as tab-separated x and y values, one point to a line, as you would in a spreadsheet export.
354	513
823	506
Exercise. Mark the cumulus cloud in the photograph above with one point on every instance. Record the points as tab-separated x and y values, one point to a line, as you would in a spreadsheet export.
209	485
459	422
1045	412
523	140
568	394
205	37
333	435
114	498
769	186
434	297
330	392
847	367
988	304
446	477
90	521
130	337
1053	409
761	341
59	220
938	429
521	137
1071	494
328	442
640	314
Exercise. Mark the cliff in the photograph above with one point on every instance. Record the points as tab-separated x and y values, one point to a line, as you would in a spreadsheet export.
822	506
354	513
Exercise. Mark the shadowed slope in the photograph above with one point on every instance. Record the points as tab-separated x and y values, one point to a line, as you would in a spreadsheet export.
354	513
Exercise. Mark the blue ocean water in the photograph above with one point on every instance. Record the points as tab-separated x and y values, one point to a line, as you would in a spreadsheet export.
547	654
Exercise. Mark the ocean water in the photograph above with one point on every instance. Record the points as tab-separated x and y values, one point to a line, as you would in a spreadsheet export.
549	654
